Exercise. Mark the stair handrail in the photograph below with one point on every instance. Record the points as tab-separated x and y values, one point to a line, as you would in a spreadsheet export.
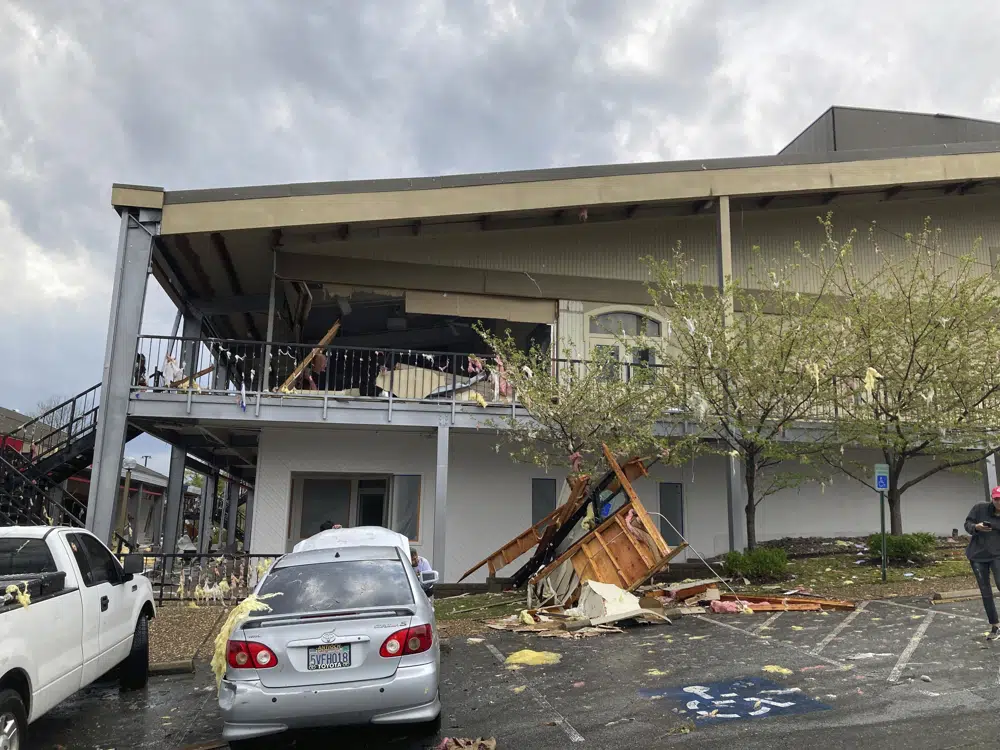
22	474
41	417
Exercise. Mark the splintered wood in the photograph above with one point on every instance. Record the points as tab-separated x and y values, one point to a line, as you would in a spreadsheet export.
537	534
625	550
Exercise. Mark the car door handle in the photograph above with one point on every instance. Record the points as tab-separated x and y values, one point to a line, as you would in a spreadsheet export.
104	604
135	587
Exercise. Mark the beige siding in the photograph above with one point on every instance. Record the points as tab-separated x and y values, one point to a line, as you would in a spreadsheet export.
618	250
963	220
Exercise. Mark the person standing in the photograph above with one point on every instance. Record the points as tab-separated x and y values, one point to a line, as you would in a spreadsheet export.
983	525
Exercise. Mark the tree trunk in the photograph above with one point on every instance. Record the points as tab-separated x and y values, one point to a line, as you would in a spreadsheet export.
750	478
895	511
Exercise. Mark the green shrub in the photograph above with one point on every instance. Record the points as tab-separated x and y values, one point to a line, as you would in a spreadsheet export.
760	565
902	549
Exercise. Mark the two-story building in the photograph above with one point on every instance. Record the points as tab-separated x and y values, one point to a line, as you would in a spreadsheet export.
386	280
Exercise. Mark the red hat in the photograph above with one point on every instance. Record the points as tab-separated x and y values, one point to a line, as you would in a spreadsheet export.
996	493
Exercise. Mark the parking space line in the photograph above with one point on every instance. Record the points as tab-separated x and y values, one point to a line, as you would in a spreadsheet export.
843	624
761	638
933	611
910	648
767	623
560	720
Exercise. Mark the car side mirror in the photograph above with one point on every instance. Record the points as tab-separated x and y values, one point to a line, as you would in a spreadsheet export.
133	565
429	577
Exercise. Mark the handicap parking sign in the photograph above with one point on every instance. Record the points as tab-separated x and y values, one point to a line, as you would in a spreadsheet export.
746	698
881	477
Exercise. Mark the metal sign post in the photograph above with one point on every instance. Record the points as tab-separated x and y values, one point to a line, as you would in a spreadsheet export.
882	486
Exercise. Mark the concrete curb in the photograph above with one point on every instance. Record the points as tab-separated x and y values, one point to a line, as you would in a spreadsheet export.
184	666
956	596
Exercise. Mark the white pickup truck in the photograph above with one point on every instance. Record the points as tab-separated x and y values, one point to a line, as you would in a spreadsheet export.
86	615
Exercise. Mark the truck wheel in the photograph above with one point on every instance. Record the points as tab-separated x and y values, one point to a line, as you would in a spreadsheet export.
134	671
13	721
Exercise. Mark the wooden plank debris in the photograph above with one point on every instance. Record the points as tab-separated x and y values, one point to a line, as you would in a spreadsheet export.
625	550
300	368
530	538
793	601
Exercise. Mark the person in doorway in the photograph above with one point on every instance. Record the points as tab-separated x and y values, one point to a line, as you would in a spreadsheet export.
983	525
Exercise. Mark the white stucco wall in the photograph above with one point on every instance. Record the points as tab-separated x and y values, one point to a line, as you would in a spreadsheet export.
489	496
938	504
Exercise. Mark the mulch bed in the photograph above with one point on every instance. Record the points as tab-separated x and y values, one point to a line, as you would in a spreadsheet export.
180	632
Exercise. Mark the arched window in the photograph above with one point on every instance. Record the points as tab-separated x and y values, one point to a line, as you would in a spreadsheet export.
609	334
624	323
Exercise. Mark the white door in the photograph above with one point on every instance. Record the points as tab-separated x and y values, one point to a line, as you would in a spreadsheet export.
92	615
113	601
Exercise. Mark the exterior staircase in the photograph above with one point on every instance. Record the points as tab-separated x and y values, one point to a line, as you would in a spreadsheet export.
40	455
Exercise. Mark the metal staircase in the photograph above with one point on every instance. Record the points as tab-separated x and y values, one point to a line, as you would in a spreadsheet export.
41	454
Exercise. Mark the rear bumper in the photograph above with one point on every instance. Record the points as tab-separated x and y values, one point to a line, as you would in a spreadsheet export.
250	710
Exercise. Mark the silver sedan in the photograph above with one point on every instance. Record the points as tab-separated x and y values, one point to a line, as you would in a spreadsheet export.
350	639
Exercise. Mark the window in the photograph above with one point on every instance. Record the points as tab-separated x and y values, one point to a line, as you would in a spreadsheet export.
624	323
406	505
82	561
20	556
543	498
101	565
324	500
324	587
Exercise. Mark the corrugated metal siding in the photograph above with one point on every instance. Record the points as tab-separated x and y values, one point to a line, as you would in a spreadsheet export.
858	129
617	250
815	139
962	220
612	250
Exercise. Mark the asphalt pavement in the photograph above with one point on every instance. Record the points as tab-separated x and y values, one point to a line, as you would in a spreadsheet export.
899	674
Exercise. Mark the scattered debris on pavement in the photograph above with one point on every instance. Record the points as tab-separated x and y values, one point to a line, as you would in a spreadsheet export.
455	743
527	657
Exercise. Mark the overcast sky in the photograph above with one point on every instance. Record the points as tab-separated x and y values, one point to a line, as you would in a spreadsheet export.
205	93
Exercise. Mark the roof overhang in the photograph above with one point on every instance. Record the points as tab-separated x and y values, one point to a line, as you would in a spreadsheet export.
332	204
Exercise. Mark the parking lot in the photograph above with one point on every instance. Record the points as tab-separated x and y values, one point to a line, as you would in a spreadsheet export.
890	673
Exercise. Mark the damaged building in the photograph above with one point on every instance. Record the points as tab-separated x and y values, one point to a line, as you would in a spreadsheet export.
326	350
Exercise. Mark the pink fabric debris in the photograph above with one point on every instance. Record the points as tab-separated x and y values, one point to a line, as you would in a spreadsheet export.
727	608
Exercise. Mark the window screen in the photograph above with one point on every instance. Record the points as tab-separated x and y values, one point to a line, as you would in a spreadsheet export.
543	498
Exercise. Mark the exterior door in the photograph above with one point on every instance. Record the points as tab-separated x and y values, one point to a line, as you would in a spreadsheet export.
672	510
112	601
373	502
90	595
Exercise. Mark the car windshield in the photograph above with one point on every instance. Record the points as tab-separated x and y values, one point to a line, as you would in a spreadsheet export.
20	556
322	587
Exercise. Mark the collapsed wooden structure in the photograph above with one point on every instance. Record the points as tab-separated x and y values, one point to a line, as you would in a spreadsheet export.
625	549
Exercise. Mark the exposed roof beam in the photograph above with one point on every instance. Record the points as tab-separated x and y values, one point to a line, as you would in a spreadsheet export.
967	186
829	198
226	259
892	192
765	201
246	303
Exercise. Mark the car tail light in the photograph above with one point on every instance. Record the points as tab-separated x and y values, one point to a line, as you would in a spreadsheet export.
413	640
250	655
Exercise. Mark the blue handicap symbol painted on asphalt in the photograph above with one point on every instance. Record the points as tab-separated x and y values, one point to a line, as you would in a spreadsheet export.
746	698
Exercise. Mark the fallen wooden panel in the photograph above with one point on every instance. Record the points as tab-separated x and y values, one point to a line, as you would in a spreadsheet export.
781	600
625	550
530	538
772	607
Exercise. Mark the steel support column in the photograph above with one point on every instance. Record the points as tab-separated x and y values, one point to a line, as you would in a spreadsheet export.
735	502
990	475
232	503
208	496
135	242
441	499
248	521
175	501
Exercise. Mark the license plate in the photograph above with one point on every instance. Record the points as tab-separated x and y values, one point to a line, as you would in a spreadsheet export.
329	657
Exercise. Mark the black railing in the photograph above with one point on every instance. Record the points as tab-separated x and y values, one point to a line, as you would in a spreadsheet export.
339	372
27	494
223	578
60	426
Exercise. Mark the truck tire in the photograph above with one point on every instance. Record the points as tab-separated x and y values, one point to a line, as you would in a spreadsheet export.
13	721
134	671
